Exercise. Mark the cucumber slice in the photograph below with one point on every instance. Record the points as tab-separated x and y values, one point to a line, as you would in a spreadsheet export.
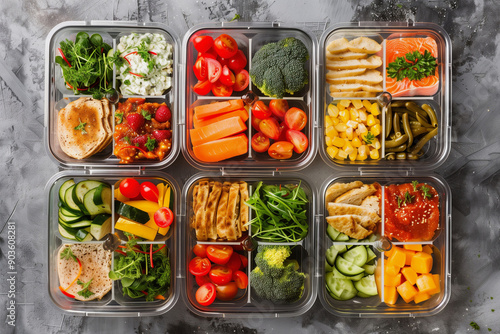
69	202
332	232
101	225
78	224
369	268
342	237
356	255
341	289
363	295
340	248
90	205
347	268
337	274
370	255
331	254
372	238
131	213
367	285
83	235
328	267
65	234
63	188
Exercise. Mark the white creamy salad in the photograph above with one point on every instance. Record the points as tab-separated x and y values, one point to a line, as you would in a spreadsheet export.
147	66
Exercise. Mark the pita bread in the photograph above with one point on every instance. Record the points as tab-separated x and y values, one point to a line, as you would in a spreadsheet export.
96	264
347	55
370	62
370	77
364	45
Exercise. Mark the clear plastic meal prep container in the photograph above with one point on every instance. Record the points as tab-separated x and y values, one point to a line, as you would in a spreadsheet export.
247	303
250	38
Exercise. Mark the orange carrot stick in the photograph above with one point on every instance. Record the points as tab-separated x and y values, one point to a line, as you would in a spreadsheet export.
217	108
217	130
198	123
222	149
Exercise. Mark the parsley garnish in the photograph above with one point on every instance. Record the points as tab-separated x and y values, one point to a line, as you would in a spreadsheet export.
143	51
414	184
146	115
475	326
414	66
369	138
426	192
127	139
81	126
400	201
151	144
127	82
67	254
408	197
85	292
119	117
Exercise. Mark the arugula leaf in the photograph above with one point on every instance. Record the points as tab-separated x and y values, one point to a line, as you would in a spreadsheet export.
67	254
150	144
85	292
414	66
81	126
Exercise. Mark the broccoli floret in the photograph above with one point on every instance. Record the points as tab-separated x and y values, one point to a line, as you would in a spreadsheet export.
263	284
270	259
278	68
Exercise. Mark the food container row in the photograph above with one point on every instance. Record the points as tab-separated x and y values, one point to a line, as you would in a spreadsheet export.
264	258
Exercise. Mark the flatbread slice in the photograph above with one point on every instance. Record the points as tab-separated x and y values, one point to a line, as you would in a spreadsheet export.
347	55
355	87
201	204
243	207
337	189
369	77
211	210
371	62
222	210
338	45
364	44
345	73
353	94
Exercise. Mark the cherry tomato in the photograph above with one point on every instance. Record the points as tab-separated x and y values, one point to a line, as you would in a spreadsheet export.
260	143
255	123
210	53
219	254
225	46
223	61
214	69
130	188
241	279
205	295
244	261
199	266
164	217
283	129
219	89
298	139
241	80
200	68
220	275
238	61
149	191
227	77
227	292
202	87
234	262
203	43
270	128
200	280
281	150
295	119
260	110
279	107
200	250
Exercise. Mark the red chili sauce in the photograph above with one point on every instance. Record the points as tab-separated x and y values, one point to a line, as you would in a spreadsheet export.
411	215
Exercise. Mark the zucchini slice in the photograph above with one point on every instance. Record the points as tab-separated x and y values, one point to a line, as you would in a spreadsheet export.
101	225
68	200
91	207
66	218
131	213
78	224
63	188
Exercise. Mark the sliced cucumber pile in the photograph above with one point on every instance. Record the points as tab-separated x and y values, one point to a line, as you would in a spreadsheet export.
84	210
336	235
350	272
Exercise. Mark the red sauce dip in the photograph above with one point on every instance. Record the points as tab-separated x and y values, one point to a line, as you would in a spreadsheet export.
409	215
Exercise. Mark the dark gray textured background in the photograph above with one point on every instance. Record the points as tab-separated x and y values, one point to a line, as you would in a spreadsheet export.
472	169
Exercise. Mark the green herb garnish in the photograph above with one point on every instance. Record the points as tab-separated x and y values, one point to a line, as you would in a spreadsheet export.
426	192
143	51
81	126
414	184
408	197
146	115
400	201
67	254
236	17
150	144
127	139
127	82
414	66
119	117
85	292
369	138
475	326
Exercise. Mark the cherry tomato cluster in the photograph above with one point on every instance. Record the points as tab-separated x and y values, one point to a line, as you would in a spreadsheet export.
132	189
220	66
218	271
280	123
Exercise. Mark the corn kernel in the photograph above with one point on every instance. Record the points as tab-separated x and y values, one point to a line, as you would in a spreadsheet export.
353	155
374	109
362	116
331	132
352	124
356	142
348	148
376	144
357	104
333	110
341	127
362	128
375	130
328	121
370	120
363	150
344	116
345	103
337	141
335	120
361	157
340	106
328	141
374	154
367	104
341	155
349	133
354	113
343	135
332	151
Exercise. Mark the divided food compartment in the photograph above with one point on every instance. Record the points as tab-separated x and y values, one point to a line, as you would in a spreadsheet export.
247	303
250	39
436	150
114	303
58	95
381	245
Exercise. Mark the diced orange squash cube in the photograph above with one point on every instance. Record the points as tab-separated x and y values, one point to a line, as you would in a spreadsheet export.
435	277
389	252
413	247
407	291
410	275
390	295
391	280
397	258
425	283
422	263
427	249
390	269
409	256
421	296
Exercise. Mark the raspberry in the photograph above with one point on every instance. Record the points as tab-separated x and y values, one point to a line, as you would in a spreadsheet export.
135	121
141	141
162	134
163	114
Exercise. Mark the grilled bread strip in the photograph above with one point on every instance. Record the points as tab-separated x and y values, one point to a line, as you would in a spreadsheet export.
210	213
345	73
369	77
222	210
347	55
243	207
371	62
337	189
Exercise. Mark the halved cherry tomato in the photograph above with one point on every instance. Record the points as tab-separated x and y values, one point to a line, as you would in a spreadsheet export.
270	128
260	110
219	89
295	119
238	61
220	275
200	68
244	261
234	262
241	80
255	123
149	191
260	143
205	295
298	139
203	43
130	188
281	150
223	61
202	87
241	279
200	280
225	46
199	267
283	129
227	77
219	254
163	217
279	107
200	250
226	292
214	69
210	53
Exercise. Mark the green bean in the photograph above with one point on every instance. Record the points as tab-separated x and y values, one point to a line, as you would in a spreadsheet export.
395	123
411	115
411	156
423	141
432	114
396	142
407	128
420	130
423	122
415	108
388	121
415	124
401	156
390	156
398	104
399	148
